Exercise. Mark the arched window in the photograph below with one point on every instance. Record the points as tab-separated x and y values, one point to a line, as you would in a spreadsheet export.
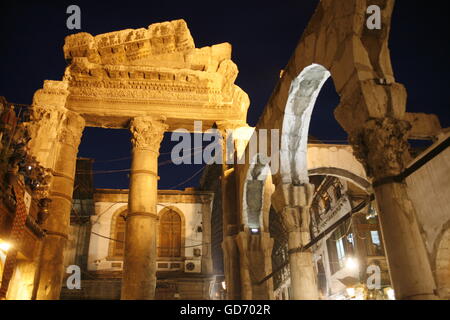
169	234
117	242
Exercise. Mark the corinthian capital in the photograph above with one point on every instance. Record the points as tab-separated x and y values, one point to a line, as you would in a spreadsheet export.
292	203
232	125
72	129
382	146
147	132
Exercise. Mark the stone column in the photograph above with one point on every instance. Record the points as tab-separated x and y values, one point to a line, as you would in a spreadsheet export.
293	203
383	148
51	269
230	217
255	263
231	268
139	273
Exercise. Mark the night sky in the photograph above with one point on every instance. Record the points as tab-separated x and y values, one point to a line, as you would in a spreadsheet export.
263	38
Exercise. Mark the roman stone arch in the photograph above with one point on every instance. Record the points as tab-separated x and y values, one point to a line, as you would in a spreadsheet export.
180	214
257	192
303	94
372	109
338	161
442	265
341	173
336	43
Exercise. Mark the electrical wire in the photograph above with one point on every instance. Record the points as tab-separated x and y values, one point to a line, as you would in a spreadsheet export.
189	179
129	157
167	162
161	164
346	233
104	211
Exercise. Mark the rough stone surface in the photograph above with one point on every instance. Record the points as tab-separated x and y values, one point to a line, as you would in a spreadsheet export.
121	75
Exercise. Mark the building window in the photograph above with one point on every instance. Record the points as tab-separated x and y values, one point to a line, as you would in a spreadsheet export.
340	252
337	186
373	246
340	245
369	235
375	237
325	202
169	235
117	243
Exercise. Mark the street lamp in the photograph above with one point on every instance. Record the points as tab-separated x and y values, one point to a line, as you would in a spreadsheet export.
5	246
390	293
351	292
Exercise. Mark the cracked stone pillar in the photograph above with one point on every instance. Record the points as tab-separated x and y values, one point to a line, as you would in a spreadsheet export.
255	263
51	269
231	265
382	147
139	273
229	211
293	203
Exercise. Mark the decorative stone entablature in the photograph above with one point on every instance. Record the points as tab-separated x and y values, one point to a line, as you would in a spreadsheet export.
117	76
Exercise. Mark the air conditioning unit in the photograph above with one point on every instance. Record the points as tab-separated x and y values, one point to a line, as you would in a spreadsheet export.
193	266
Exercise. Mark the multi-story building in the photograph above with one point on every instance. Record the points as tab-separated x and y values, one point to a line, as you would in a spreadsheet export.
350	260
23	206
349	257
96	242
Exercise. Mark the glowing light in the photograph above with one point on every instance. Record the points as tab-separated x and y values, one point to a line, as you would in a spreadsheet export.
254	230
351	263
29	168
391	294
224	285
5	246
351	292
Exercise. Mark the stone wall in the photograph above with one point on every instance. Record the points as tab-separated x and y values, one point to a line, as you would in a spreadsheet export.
429	190
115	201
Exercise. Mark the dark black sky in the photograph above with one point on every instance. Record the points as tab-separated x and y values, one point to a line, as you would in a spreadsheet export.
263	36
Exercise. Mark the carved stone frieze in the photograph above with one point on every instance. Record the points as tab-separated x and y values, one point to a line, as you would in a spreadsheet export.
115	77
127	46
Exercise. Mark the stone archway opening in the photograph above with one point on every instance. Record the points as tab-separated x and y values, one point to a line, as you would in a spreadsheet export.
324	126
296	191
